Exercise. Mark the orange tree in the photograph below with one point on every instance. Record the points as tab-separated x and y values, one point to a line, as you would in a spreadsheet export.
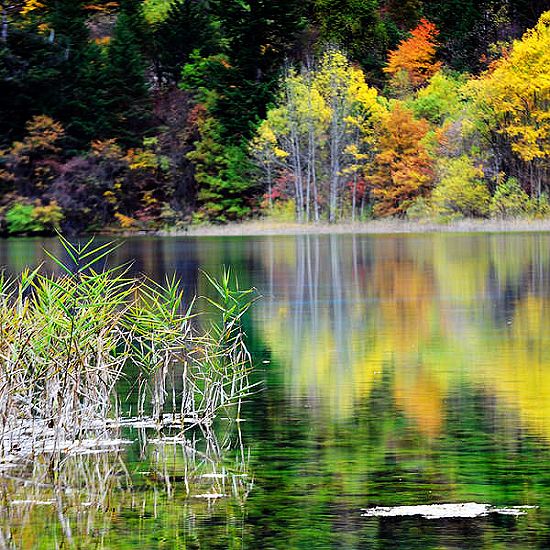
403	167
414	58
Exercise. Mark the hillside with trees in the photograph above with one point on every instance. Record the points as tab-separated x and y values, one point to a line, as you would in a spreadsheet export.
143	115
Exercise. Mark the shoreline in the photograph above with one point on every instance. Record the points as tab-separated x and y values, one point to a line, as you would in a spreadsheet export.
374	227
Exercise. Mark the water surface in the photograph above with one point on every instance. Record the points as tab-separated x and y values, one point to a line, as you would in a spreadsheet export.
397	370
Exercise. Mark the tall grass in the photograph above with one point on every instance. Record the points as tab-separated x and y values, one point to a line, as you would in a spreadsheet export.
67	342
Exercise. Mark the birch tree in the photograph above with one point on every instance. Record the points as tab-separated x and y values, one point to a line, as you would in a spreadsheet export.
319	133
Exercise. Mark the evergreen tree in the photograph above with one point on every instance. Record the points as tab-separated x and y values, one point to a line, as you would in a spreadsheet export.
356	27
127	86
188	28
68	22
405	14
469	27
259	34
235	89
87	112
30	76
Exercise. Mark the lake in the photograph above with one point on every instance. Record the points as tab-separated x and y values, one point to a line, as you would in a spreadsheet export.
393	371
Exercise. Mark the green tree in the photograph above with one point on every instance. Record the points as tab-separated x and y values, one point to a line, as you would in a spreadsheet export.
223	175
461	191
259	35
441	99
509	199
67	19
469	28
234	88
356	27
187	27
127	86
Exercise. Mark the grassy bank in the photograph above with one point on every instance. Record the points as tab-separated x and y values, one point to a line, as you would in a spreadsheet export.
267	227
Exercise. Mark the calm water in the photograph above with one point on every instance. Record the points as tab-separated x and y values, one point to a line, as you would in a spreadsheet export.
396	370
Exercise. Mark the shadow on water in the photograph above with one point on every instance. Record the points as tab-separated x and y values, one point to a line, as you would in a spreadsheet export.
398	370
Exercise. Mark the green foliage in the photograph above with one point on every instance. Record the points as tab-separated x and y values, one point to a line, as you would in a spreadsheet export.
440	100
509	199
126	81
540	206
234	87
461	191
282	211
89	103
68	19
356	27
223	175
156	11
20	219
420	210
186	28
467	28
256	37
28	219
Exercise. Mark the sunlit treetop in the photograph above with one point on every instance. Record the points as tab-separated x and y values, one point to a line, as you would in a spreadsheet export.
515	92
415	56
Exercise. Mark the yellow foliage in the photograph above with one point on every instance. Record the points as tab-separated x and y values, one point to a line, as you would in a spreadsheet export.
110	197
106	148
517	93
43	134
50	215
126	222
31	5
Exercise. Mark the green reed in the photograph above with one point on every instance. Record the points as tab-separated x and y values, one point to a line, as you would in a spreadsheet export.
67	341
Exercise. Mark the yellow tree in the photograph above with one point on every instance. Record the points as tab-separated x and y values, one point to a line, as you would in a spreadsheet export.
31	5
315	139
13	9
514	97
352	105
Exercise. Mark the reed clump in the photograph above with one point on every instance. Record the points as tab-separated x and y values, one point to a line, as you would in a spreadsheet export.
67	342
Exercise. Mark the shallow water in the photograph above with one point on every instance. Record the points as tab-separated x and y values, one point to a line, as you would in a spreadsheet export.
397	371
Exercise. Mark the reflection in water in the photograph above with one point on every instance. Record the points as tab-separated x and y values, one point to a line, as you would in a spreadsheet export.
399	370
432	311
79	499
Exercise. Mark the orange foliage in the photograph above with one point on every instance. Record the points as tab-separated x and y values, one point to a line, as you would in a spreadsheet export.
106	149
103	41
107	7
415	56
126	222
43	133
403	168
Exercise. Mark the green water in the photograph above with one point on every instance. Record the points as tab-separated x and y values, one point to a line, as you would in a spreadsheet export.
395	369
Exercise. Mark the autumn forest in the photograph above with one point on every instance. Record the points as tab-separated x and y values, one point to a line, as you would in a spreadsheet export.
151	114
